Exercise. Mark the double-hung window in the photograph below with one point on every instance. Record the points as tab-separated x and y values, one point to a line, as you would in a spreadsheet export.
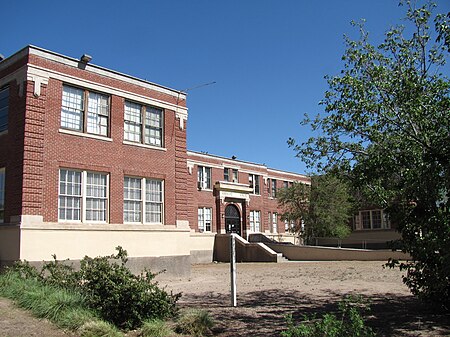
226	174
203	177
2	194
4	108
255	221
85	111
143	200
204	219
83	196
274	188
143	124
274	222
253	180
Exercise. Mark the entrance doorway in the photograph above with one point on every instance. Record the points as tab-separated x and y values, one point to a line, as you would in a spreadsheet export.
232	220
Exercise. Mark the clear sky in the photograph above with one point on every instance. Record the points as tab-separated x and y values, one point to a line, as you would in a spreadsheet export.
267	57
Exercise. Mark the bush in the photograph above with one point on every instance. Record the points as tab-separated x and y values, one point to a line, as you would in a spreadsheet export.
121	297
349	324
194	322
104	284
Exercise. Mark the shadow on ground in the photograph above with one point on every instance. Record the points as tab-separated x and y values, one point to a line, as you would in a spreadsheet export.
262	313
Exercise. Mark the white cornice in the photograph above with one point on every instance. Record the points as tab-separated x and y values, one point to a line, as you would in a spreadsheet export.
69	79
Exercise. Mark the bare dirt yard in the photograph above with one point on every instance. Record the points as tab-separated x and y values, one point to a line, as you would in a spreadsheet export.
267	292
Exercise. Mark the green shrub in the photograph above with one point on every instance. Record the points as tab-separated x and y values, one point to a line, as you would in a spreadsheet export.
121	297
103	284
349	323
156	328
194	322
98	329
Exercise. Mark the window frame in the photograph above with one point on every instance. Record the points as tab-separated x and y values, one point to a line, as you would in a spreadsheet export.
4	109
86	114
143	202
142	125
274	227
204	177
201	212
252	178
83	197
255	226
367	217
273	189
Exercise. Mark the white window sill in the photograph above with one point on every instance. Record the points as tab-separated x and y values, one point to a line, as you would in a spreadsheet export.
86	135
126	142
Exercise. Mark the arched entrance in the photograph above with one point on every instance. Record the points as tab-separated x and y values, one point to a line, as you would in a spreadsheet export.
232	220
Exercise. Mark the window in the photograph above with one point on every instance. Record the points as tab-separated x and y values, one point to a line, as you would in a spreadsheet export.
274	222
203	177
204	219
274	188
255	221
285	184
143	124
226	174
235	176
373	219
253	180
143	200
83	196
2	194
74	115
4	108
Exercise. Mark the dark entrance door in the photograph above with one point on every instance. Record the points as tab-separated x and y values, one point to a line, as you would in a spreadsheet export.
232	220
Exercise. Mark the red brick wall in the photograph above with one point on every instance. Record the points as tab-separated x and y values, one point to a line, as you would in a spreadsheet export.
12	150
35	137
263	202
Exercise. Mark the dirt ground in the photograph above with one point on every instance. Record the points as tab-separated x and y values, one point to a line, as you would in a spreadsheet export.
267	292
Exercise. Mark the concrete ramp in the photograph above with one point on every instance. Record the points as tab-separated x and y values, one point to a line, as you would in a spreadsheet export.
245	251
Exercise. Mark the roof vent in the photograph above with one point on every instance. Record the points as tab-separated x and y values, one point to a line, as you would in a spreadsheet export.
85	58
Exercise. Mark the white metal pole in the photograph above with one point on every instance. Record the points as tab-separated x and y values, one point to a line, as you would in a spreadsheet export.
233	269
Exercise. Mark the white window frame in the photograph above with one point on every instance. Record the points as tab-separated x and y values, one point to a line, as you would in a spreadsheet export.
255	221
94	111
253	180
143	202
2	193
140	125
274	222
83	197
204	177
384	223
203	226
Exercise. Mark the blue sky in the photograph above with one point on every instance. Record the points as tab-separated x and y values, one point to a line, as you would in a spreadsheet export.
268	58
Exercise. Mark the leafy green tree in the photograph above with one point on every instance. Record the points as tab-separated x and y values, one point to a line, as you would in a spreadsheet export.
387	126
322	209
